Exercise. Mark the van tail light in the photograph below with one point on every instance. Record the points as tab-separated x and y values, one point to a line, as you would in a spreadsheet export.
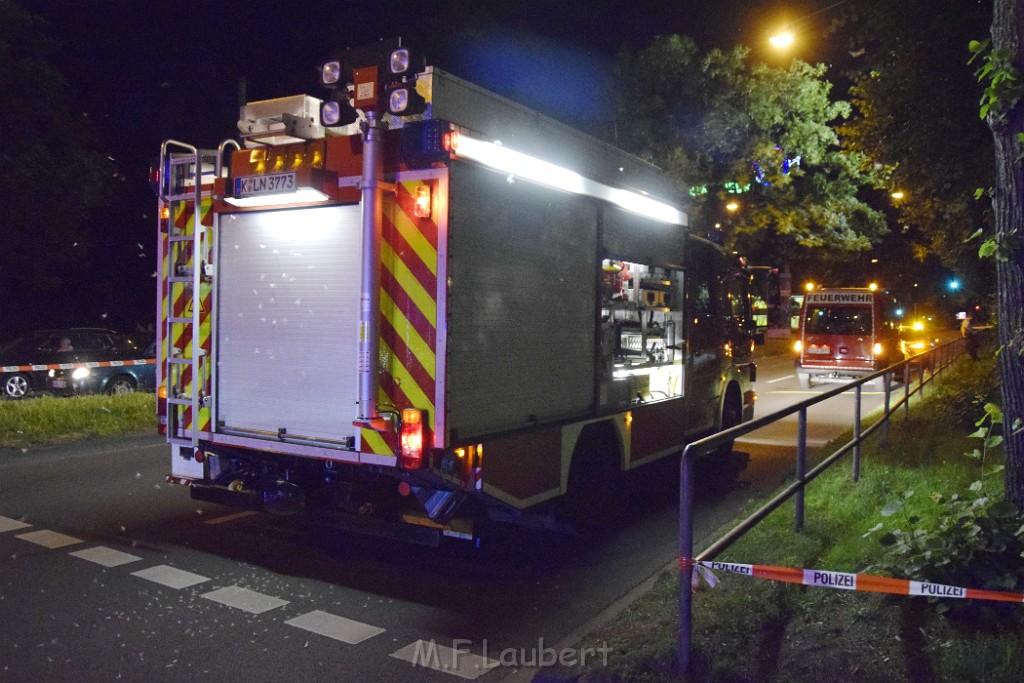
412	438
878	349
798	346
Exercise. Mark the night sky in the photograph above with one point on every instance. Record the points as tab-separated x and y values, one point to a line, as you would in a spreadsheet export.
152	70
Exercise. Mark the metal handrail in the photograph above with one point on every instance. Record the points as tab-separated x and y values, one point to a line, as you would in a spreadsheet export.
946	353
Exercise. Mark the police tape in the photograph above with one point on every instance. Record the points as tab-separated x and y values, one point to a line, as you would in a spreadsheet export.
843	581
73	366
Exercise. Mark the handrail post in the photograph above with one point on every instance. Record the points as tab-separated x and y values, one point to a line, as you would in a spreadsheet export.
887	388
685	562
906	391
856	432
801	466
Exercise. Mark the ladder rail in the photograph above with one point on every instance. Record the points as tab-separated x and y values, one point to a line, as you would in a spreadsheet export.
174	363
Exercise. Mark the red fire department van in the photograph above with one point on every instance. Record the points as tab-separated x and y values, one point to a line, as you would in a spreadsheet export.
843	334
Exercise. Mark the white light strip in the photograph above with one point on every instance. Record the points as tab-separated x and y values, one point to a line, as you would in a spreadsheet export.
302	195
531	168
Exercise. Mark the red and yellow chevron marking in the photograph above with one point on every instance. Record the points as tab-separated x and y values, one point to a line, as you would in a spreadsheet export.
408	315
176	300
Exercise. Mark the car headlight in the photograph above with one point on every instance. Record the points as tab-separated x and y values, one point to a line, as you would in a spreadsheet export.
80	373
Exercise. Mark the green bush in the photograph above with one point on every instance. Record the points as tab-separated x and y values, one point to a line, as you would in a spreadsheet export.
974	540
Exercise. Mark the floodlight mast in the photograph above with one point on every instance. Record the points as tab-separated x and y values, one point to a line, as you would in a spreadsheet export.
369	70
369	296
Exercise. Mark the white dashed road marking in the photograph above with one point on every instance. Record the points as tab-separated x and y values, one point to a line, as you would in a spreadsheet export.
8	524
49	539
244	599
108	557
170	577
430	655
332	626
458	662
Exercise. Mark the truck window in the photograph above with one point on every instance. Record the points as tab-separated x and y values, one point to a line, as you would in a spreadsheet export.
838	320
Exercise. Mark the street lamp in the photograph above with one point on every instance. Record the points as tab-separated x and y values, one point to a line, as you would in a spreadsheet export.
784	38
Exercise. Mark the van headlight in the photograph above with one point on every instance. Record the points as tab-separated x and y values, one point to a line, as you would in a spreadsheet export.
80	373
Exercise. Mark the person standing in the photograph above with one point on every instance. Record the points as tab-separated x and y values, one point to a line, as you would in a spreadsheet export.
970	336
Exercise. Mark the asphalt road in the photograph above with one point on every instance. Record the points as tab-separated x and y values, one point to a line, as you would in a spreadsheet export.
108	573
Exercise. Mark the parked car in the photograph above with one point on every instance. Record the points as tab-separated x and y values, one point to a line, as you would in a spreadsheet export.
27	366
132	370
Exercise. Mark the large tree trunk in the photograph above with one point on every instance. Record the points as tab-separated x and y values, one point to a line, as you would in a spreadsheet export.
1008	203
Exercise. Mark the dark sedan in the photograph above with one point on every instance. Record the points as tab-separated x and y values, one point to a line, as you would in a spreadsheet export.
75	360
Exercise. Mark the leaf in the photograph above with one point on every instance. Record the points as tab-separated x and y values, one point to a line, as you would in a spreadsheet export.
978	46
977	233
908	494
975	487
988	248
995	411
872	530
892	508
1003	509
993	441
980	434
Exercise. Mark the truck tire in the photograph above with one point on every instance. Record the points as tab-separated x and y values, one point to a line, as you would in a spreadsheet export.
732	415
596	495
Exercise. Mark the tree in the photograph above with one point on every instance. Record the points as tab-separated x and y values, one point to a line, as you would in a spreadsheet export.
729	128
910	78
52	174
1003	108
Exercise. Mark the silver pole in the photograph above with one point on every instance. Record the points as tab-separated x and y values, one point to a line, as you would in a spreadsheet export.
369	296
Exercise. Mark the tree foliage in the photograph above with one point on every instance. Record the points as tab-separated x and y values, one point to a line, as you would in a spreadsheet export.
720	122
914	111
52	173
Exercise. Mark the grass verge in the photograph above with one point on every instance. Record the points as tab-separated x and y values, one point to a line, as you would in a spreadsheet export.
749	629
49	420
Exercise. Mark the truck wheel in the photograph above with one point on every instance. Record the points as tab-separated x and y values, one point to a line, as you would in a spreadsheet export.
595	497
16	386
121	385
731	416
805	380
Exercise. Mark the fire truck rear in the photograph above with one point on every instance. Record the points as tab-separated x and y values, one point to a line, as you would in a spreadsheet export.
418	305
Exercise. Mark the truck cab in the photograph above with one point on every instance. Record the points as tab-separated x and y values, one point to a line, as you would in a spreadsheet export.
844	334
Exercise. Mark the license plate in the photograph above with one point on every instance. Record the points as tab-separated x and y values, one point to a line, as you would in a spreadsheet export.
59	384
819	350
271	183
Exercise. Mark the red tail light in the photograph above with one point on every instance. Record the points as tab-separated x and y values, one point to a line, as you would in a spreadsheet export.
412	438
161	410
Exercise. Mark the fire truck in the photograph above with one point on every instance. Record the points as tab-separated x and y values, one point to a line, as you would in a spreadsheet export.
416	305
